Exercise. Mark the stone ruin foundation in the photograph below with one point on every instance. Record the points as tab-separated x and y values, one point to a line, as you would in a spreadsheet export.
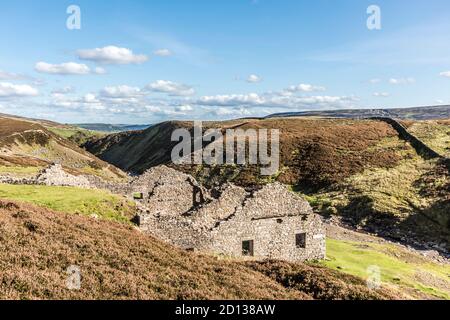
272	222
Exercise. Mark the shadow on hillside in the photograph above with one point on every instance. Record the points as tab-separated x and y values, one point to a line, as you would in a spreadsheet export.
421	230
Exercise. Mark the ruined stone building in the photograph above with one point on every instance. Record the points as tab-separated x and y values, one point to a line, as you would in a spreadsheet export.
269	223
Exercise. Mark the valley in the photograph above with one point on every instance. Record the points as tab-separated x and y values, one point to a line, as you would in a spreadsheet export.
383	204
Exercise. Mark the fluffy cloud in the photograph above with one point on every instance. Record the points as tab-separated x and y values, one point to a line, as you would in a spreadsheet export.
171	88
230	112
163	53
15	90
253	78
304	88
232	100
270	100
184	108
402	81
374	81
381	94
445	74
99	70
11	76
69	68
112	55
64	90
122	91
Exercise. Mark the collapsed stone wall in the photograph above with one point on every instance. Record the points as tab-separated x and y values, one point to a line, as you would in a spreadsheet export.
273	238
176	209
54	175
166	191
270	217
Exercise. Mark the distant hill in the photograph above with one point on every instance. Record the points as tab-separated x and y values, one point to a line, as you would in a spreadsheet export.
104	127
415	113
26	146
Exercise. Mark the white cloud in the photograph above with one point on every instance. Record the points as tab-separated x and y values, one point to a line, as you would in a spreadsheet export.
122	91
271	100
375	81
445	74
439	101
64	90
184	108
305	88
402	81
99	70
4	75
230	112
381	94
232	100
90	98
253	78
69	68
163	53
112	55
17	90
171	88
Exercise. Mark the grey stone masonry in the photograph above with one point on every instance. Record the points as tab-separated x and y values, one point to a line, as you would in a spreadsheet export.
270	223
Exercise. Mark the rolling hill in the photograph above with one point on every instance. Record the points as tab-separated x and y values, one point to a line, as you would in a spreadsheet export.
106	127
414	113
360	171
116	261
26	146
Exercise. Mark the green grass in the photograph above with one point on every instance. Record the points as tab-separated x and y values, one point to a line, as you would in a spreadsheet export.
19	170
436	136
71	133
72	200
399	268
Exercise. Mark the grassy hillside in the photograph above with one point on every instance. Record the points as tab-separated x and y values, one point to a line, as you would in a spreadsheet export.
27	146
399	268
136	151
359	170
435	133
414	113
317	152
78	136
118	262
87	202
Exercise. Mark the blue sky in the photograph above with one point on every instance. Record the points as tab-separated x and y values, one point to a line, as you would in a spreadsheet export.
148	61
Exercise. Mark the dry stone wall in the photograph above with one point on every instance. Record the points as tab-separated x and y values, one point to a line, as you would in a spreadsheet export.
271	218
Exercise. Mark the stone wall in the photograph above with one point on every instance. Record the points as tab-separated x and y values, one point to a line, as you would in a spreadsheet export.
270	217
273	238
54	175
166	191
421	148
